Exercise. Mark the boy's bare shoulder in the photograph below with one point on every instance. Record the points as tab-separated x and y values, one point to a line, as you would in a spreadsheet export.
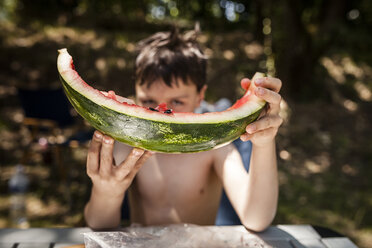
226	155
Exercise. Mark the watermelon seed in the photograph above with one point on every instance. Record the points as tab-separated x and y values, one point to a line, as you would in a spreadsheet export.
153	109
168	111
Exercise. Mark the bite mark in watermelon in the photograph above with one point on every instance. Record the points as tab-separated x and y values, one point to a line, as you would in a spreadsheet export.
111	94
163	130
162	107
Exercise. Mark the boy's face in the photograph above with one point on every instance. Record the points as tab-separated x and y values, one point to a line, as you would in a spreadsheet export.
180	98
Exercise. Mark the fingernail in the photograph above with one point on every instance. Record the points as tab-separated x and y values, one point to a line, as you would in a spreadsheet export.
98	135
251	128
259	81
108	140
137	152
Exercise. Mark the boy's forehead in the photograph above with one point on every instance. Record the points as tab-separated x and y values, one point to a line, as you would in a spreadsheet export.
159	85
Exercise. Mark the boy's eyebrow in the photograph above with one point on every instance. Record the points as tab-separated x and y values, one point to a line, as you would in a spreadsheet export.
145	98
151	98
180	96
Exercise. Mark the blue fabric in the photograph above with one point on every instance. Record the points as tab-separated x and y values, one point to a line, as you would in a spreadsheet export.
125	210
226	214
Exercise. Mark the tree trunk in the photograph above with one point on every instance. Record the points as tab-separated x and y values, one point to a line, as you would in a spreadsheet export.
299	53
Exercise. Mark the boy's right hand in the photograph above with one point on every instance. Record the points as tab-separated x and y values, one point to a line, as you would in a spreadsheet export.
109	179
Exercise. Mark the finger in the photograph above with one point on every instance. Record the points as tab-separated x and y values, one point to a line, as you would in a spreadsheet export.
269	96
106	160
245	83
273	109
139	164
94	153
245	137
145	156
274	84
269	132
127	165
264	123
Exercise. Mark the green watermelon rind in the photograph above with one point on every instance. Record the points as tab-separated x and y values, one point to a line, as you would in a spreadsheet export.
159	136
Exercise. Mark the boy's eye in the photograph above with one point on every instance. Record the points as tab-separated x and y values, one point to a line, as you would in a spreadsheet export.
148	103
177	103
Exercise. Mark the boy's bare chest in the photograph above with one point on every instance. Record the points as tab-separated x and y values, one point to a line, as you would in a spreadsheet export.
174	179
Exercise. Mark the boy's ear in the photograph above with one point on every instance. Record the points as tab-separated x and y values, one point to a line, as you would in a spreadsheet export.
202	93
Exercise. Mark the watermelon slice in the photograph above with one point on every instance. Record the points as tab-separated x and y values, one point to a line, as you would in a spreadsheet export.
168	132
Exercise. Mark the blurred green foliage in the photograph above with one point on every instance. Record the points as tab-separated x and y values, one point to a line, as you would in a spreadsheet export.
296	34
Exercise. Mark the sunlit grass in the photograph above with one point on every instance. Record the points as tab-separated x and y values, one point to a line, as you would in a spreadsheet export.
324	173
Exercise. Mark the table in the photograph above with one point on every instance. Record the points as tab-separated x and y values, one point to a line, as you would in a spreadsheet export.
281	236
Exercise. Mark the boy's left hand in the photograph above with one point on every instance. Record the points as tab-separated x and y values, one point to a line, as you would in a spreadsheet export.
264	130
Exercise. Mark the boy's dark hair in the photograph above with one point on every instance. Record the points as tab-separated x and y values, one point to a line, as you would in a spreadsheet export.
171	55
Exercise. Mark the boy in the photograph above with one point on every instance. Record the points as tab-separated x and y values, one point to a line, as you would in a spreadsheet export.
183	188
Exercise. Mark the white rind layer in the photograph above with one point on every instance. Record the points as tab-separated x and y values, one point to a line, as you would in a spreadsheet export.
70	76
